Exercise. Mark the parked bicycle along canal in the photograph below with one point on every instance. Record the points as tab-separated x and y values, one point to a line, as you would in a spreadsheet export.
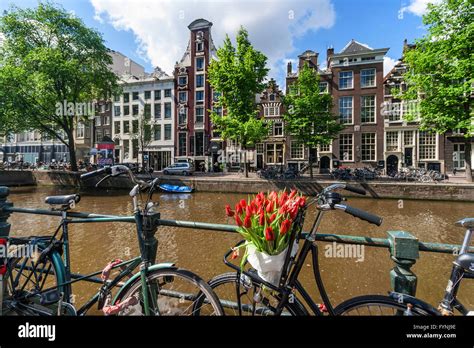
363	271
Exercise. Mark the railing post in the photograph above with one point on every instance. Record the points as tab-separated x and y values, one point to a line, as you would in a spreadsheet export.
4	225
404	252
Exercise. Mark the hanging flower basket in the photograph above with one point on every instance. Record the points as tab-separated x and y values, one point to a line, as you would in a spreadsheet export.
266	222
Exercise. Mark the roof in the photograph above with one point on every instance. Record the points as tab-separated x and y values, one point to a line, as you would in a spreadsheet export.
200	23
355	47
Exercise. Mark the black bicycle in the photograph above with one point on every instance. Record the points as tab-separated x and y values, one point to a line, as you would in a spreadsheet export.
401	304
243	292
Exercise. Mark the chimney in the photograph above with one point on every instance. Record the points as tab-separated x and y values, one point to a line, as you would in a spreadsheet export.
329	54
289	68
309	57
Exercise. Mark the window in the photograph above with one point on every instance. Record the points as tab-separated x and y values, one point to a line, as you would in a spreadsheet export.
167	110
216	96
135	147
126	127
147	95
126	97
278	129
367	109
346	80
259	148
147	111
217	110
346	149
134	95
367	58
394	113
274	153
182	116
271	111
157	94
367	78
408	138
117	110
368	146
199	81
80	130
199	96
98	120
325	148
272	97
98	136
200	63
167	132
199	138
117	127
297	150
199	46
391	139
106	120
116	98
126	110
158	132
459	156
427	148
345	110
199	114
182	144
168	93
135	109
157	110
135	126
182	80
323	87
182	97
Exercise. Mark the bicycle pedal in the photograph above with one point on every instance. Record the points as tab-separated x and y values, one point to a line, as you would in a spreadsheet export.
50	297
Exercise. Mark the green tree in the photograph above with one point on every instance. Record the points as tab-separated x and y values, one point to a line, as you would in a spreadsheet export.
238	75
50	58
441	71
309	118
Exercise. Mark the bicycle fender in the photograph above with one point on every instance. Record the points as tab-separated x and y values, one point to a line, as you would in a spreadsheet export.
136	277
404	298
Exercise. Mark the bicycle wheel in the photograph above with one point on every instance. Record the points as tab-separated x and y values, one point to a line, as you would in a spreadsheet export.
176	293
26	279
225	287
375	305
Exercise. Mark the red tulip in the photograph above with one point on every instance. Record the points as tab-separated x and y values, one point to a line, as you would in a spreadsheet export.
293	193
269	208
229	211
261	220
302	202
247	222
269	234
272	218
283	198
235	254
248	210
273	195
238	208
293	212
243	203
285	227
283	210
238	220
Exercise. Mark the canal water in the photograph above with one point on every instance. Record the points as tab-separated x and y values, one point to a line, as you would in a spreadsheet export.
94	245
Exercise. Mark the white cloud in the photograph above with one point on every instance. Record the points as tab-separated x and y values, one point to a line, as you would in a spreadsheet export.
388	64
417	7
161	32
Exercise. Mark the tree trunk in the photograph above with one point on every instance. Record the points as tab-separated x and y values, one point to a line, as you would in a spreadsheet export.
245	164
72	151
467	159
310	166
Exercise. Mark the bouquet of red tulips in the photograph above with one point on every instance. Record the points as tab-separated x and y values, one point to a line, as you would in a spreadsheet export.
266	223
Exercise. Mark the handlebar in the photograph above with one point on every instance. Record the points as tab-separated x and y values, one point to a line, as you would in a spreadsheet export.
361	214
96	173
113	171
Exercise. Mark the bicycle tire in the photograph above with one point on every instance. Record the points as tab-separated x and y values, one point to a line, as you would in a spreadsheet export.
367	302
296	308
22	290
175	304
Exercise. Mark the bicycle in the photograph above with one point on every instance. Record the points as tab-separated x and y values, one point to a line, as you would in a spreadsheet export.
40	283
402	304
244	292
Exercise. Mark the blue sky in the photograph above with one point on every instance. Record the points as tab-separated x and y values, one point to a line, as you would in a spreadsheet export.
154	32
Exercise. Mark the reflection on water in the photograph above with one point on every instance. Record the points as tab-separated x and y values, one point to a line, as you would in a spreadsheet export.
94	245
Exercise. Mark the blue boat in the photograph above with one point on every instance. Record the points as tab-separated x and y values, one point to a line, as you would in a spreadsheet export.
175	188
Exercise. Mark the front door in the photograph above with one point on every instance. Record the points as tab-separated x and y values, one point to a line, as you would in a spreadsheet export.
325	164
408	156
392	164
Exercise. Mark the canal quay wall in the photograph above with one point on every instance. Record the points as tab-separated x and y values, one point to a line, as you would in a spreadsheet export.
234	184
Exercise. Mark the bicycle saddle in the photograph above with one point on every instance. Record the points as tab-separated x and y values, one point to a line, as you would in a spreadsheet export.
467	223
64	200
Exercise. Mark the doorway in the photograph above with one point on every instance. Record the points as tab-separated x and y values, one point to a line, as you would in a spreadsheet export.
325	165
408	156
392	165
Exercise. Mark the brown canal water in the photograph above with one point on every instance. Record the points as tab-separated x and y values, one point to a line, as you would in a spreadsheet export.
94	245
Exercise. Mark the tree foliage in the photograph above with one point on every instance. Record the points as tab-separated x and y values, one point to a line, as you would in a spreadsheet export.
441	69
49	56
